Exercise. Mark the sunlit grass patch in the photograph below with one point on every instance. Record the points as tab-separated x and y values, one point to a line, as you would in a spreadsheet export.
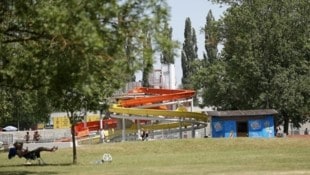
187	156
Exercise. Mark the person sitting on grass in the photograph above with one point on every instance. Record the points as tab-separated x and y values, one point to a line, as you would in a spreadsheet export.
29	155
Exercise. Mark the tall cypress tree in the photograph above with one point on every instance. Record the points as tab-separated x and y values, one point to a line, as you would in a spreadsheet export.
147	61
167	56
189	53
211	38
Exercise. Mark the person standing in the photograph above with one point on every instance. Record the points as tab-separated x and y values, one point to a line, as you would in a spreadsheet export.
27	137
306	131
146	134
143	134
279	132
102	136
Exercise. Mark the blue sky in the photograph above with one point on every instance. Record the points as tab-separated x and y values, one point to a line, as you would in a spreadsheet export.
197	11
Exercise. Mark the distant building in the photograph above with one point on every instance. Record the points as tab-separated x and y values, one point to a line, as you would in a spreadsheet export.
164	77
243	123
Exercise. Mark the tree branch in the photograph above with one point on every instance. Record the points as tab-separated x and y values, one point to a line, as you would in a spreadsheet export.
18	35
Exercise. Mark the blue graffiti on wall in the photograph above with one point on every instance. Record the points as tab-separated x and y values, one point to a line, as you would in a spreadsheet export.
261	127
217	128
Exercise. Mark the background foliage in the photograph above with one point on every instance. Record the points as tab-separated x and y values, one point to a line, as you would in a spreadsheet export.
264	62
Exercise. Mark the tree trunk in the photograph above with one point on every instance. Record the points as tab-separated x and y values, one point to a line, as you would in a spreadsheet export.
286	123
73	144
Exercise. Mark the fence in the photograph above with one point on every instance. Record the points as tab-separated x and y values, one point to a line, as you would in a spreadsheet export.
8	138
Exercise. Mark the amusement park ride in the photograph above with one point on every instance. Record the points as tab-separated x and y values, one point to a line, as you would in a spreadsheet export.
167	106
148	104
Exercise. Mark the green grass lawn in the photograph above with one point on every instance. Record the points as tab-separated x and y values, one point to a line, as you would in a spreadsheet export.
177	157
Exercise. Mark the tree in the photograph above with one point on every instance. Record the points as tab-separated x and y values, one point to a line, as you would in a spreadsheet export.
5	107
22	77
76	53
211	38
168	53
189	54
265	60
148	61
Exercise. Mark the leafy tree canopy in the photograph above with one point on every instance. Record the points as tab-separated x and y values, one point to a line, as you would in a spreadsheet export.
75	52
265	60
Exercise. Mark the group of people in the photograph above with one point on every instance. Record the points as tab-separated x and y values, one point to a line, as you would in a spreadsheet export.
280	133
36	137
21	152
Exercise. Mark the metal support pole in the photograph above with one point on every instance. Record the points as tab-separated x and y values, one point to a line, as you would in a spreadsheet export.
139	129
101	128
193	125
180	128
205	131
123	130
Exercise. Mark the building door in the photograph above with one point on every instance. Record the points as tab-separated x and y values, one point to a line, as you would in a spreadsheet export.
242	129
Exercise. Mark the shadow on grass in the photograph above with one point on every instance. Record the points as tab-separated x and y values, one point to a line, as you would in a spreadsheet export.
40	165
26	172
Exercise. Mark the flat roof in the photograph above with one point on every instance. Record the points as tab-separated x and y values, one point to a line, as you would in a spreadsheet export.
256	112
